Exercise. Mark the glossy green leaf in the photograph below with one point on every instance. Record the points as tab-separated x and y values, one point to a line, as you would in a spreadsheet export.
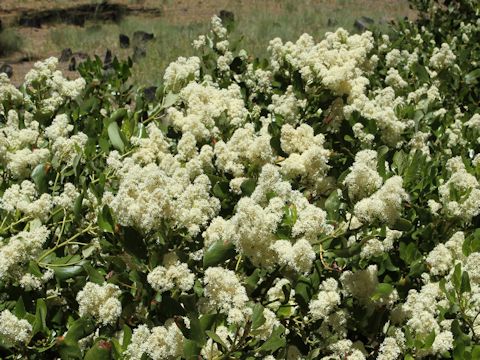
275	341
257	316
101	350
115	136
218	253
105	220
39	177
212	335
40	324
382	290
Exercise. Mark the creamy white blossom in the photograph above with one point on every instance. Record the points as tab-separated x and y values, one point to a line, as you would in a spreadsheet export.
100	301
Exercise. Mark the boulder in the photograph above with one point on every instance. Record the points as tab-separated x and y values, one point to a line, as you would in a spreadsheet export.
150	93
140	37
138	53
107	60
363	23
7	69
124	41
66	55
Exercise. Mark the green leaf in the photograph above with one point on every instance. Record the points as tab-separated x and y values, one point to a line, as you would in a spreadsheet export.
101	350
401	224
248	187
77	206
69	271
275	341
80	328
303	290
428	342
257	317
332	205
457	277
465	287
169	100
127	336
118	115
39	177
221	190
476	352
382	290
105	220
69	349
199	327
218	252
115	137
191	350
212	335
134	243
40	324
93	274
19	310
472	76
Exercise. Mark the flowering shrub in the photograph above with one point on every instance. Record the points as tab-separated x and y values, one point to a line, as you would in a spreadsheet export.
321	203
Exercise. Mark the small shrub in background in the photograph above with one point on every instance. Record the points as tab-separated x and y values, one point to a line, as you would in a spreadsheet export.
10	41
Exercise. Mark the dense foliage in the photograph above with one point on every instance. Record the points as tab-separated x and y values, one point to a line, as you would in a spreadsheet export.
321	203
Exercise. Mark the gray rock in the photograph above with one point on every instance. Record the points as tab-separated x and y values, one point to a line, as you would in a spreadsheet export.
124	41
7	69
138	53
65	55
142	37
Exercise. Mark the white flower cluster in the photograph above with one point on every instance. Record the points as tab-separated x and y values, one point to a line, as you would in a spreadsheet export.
158	343
8	92
298	256
442	258
19	249
421	311
225	293
101	302
363	179
211	350
337	61
460	194
164	191
287	106
14	330
181	72
19	150
205	104
177	275
382	109
24	198
65	147
147	195
362	284
376	247
48	83
245	147
384	205
327	300
345	349
392	347
252	228
307	156
442	57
